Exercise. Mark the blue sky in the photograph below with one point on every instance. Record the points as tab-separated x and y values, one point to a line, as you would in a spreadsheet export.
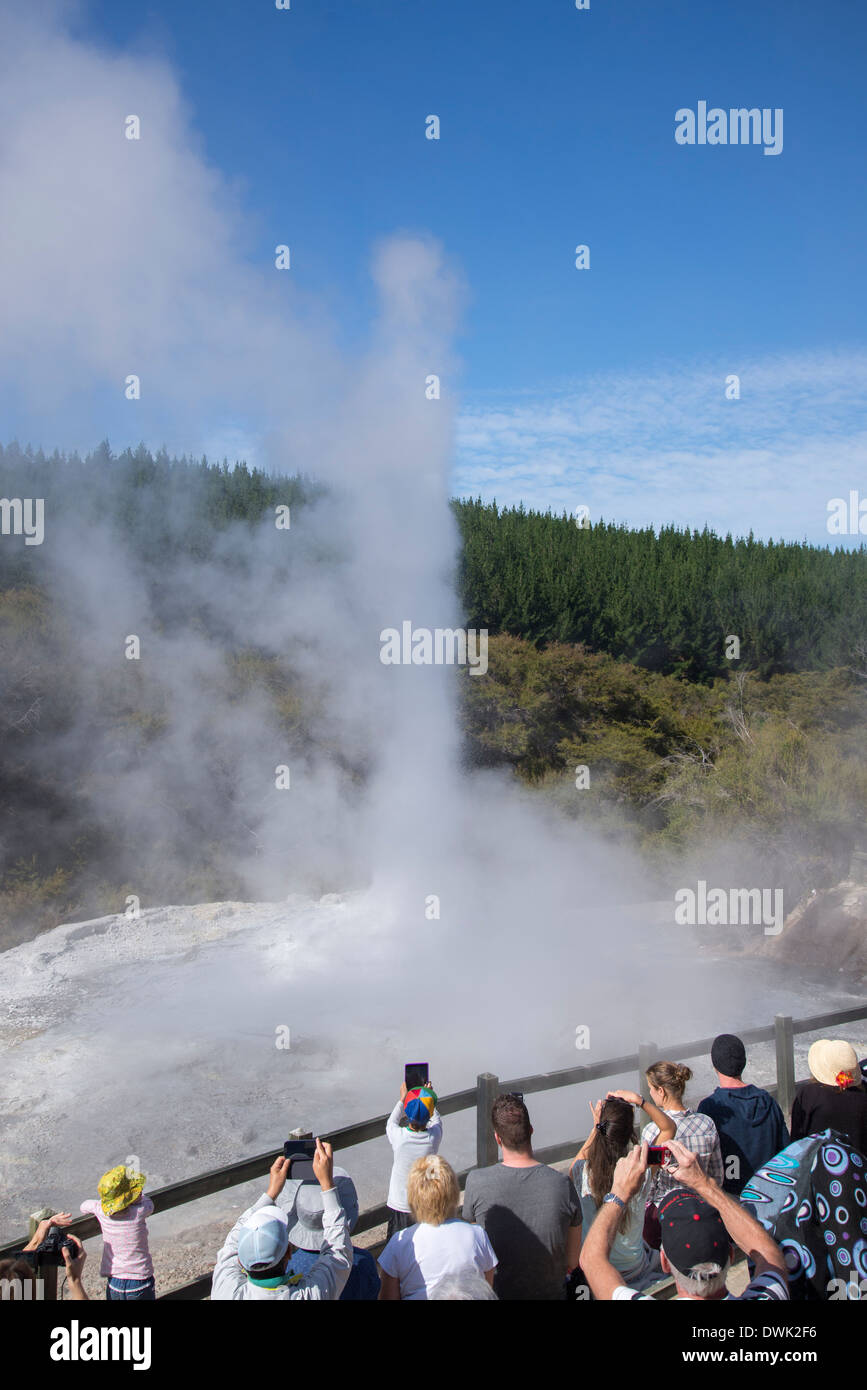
557	128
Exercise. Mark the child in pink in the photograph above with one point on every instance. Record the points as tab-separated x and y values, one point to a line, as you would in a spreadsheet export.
122	1213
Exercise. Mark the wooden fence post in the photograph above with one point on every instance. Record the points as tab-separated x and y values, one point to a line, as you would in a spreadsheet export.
785	1043
648	1053
487	1090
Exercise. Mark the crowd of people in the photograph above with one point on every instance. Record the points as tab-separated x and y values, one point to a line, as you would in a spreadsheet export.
675	1199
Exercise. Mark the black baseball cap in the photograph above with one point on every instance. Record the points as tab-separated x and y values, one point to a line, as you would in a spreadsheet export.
693	1232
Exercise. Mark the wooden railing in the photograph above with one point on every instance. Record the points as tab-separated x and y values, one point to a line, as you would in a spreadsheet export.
481	1097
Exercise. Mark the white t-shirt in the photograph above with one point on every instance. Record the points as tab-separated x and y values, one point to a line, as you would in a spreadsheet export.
422	1255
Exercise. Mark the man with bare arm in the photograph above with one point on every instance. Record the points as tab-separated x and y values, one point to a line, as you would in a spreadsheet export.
700	1225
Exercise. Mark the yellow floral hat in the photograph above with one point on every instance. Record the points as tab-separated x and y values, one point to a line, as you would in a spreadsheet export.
119	1188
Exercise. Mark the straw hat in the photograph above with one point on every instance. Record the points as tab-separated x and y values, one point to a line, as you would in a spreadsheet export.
834	1063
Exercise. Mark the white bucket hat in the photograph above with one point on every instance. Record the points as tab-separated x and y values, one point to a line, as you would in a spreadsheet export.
302	1203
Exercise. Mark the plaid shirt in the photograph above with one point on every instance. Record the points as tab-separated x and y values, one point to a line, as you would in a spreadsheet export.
695	1132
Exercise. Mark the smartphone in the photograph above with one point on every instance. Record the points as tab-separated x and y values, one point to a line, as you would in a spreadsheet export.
415	1074
656	1155
300	1155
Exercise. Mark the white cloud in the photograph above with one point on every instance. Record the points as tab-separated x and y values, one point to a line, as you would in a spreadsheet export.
667	446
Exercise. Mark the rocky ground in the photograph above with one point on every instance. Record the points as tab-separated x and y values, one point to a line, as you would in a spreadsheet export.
827	927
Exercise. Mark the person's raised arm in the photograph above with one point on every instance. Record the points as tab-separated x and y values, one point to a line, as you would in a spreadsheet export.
596	1112
665	1124
60	1218
628	1178
392	1124
277	1177
743	1228
75	1269
435	1128
334	1265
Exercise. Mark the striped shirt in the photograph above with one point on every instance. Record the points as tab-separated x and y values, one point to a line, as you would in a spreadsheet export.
695	1132
770	1287
125	1253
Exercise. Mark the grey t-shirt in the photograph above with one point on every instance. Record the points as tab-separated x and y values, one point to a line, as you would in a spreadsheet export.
527	1213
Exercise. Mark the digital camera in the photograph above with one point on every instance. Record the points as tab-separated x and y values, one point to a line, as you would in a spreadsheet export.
50	1252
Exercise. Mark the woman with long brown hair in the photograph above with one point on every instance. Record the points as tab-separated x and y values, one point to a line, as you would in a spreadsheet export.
611	1138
